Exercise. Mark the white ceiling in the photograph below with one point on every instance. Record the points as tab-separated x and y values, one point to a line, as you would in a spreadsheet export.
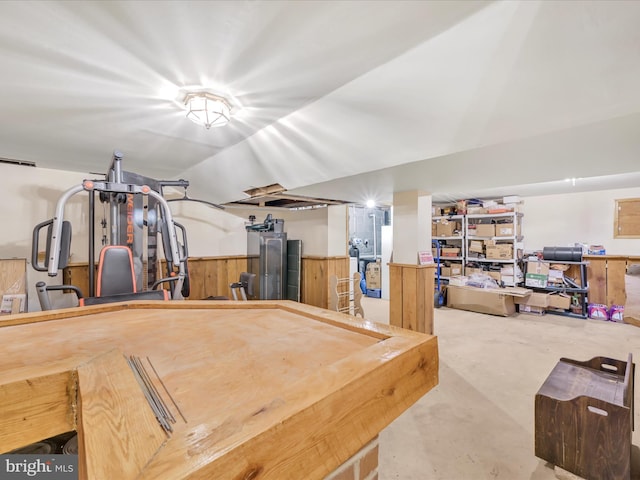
337	99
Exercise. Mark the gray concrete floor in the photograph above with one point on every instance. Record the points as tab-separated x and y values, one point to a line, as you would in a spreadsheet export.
478	422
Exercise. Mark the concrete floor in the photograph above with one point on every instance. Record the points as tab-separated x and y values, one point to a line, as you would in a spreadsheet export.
478	422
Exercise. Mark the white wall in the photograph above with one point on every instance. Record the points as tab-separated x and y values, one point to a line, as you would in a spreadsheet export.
210	232
337	230
28	196
310	226
411	226
587	217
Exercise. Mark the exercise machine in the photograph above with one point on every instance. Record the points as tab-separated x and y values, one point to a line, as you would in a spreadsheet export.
138	215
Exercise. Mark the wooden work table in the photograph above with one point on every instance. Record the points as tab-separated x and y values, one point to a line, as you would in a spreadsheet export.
269	390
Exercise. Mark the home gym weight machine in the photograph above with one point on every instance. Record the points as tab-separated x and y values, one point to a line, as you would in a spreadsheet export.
138	212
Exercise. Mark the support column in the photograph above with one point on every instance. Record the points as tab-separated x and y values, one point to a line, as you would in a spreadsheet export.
411	288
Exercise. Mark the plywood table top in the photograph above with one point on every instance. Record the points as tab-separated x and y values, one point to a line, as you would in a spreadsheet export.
259	390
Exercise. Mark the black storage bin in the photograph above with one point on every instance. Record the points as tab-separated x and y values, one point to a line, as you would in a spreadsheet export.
562	254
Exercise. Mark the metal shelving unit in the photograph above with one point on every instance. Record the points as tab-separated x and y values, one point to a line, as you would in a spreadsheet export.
457	241
514	240
582	291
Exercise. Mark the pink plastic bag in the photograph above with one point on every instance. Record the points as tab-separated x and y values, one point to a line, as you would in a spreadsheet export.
616	313
598	311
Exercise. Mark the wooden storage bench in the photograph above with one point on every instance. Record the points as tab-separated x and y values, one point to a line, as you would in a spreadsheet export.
584	417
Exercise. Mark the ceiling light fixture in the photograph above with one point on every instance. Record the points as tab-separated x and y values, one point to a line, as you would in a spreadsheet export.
207	109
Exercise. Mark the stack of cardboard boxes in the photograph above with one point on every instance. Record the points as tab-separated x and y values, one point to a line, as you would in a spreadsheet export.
539	275
493	248
373	279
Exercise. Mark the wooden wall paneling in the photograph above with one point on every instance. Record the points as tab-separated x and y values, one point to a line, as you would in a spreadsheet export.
76	274
239	265
313	271
574	272
197	278
213	275
316	272
597	279
216	278
395	295
409	299
616	289
424	303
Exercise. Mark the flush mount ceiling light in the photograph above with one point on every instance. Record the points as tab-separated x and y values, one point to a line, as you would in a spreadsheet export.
207	109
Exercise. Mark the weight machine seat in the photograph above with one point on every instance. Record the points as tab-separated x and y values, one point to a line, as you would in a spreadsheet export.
123	297
116	274
117	281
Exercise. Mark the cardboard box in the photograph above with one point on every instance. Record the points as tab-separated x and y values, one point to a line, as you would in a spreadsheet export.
535	280
475	210
456	269
539	268
556	276
507	270
373	275
532	309
472	270
505	230
482	300
446	228
501	252
535	299
445	271
485	230
459	280
560	301
476	246
450	252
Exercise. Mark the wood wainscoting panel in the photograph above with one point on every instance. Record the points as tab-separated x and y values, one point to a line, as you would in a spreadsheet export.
316	272
211	276
411	295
